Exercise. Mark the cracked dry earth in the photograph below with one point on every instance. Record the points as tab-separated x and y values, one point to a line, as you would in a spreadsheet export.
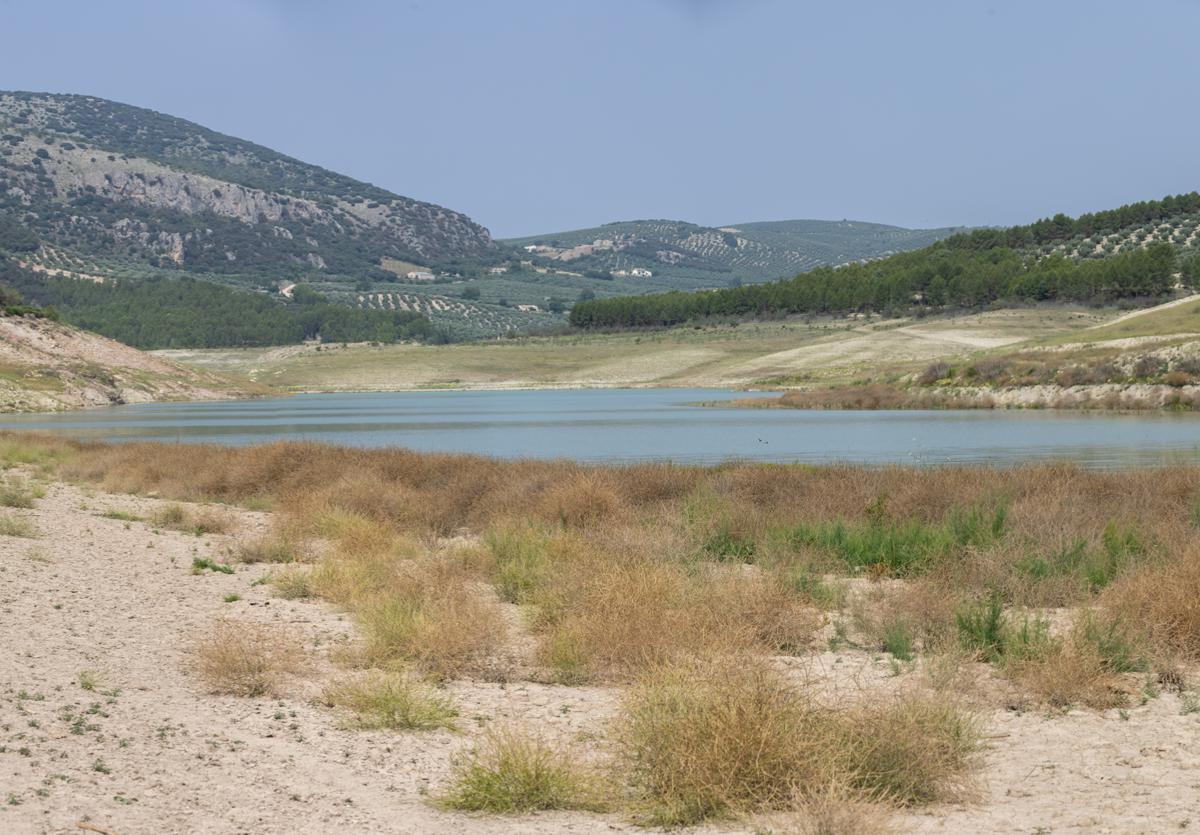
148	750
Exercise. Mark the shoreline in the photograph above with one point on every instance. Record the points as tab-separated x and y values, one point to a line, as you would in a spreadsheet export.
1133	398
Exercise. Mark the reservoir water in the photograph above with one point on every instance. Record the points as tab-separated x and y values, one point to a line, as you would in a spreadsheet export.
622	425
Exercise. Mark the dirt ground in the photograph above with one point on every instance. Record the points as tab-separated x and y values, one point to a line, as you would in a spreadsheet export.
679	357
148	750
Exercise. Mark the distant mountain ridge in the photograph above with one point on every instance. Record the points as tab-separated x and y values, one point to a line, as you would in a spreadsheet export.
117	181
690	255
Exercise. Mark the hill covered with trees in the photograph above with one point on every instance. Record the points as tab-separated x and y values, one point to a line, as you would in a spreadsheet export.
1132	252
186	312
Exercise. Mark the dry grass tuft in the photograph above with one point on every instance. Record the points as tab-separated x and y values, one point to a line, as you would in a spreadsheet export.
1069	674
581	500
833	812
610	616
703	741
1165	600
11	525
292	583
511	771
709	740
392	700
428	614
18	493
268	548
244	659
200	521
913	749
1088	666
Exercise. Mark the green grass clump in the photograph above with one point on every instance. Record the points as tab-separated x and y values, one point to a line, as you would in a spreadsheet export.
898	640
983	627
121	515
903	549
521	562
14	451
1096	568
1118	646
202	564
511	771
725	545
396	701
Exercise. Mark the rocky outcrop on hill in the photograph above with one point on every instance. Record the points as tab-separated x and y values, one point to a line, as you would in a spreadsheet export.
118	180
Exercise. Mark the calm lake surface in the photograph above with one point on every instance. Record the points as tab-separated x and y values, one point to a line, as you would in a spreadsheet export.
643	424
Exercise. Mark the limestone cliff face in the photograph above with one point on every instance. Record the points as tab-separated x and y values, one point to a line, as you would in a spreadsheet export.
87	171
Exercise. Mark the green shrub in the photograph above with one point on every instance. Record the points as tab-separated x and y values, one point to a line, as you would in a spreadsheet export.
898	640
982	626
511	771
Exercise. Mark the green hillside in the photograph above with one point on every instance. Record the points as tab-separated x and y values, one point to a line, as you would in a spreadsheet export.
1138	252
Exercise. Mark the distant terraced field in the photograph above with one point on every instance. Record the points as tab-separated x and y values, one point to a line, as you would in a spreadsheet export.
460	315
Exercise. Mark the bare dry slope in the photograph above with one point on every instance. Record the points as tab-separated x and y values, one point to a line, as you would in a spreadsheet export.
47	366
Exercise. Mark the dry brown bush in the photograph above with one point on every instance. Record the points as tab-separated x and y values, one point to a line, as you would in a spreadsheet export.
580	500
195	520
245	659
431	616
1165	600
709	740
1069	673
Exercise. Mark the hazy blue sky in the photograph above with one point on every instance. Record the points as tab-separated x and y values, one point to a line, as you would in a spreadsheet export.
552	114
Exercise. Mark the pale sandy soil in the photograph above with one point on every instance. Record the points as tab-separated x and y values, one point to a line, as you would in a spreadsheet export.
47	366
156	753
681	357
